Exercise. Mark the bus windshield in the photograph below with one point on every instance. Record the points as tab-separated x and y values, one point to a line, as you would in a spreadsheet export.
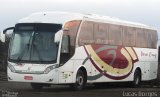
34	43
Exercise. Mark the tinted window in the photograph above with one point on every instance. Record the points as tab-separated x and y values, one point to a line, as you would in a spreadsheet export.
101	34
115	35
86	33
129	36
141	38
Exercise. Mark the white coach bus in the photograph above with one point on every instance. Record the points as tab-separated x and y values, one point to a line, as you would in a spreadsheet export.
76	49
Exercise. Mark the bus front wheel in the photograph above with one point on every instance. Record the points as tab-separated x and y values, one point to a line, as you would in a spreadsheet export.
80	81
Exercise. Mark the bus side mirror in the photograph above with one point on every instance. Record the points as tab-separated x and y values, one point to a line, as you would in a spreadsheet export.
5	30
6	35
2	37
65	44
57	37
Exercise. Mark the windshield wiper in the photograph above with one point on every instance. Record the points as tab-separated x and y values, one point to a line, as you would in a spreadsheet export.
28	46
23	52
36	49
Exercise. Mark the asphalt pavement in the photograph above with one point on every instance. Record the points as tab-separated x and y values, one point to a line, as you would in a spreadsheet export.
14	89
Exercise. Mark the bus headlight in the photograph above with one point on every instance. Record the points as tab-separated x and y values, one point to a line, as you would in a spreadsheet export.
48	69
11	68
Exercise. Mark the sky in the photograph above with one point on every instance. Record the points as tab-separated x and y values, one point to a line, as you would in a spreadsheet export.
143	11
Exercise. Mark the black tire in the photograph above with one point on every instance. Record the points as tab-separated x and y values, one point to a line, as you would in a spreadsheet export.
36	86
137	78
80	81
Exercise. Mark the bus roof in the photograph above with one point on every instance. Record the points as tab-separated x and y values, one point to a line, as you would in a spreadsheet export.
63	17
51	17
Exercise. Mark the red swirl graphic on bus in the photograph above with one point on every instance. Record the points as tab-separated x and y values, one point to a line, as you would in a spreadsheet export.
115	62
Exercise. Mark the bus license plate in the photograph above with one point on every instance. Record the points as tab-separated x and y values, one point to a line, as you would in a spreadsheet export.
28	77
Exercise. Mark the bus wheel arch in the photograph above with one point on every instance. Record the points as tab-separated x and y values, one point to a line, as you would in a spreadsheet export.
137	77
85	73
81	79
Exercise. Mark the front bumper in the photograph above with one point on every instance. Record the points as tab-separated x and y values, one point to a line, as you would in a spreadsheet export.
51	77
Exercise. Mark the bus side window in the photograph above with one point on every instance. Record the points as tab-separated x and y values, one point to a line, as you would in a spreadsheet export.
141	38
86	33
101	34
129	36
154	39
150	39
115	34
72	27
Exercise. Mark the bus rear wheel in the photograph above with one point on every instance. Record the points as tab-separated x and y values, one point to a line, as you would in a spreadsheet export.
80	81
36	86
137	78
